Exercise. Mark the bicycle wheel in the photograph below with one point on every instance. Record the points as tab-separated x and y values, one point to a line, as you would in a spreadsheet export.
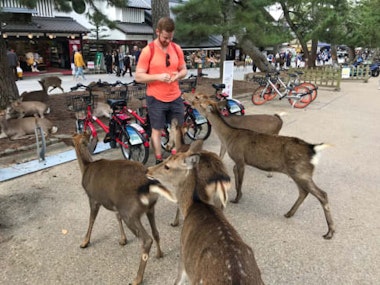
261	94
197	128
312	88
136	152
272	94
300	97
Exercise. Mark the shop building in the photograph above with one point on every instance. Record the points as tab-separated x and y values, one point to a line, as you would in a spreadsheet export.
51	35
45	39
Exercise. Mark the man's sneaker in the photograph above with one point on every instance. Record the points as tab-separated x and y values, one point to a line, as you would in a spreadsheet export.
158	161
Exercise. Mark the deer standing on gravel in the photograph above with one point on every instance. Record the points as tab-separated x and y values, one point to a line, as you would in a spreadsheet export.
120	186
288	155
212	251
212	169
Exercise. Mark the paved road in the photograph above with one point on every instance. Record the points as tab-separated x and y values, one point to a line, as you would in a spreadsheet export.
43	216
31	83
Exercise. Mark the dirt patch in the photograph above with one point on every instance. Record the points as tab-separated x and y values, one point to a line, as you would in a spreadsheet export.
65	119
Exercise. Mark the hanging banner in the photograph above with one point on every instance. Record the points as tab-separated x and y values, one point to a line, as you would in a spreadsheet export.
228	77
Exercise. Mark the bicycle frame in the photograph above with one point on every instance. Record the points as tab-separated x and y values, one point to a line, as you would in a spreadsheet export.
91	119
287	87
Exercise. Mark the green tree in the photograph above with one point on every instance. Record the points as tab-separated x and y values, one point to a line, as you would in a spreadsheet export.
8	88
248	20
99	23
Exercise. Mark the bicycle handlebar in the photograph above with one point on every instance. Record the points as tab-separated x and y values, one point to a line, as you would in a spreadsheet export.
100	83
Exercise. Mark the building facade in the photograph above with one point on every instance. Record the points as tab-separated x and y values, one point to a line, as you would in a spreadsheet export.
50	36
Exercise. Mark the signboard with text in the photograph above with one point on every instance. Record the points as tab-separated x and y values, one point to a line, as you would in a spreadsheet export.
228	77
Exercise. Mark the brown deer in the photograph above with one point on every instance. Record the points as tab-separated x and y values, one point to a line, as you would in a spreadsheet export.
120	186
262	123
213	171
212	251
51	81
38	95
29	108
288	155
24	127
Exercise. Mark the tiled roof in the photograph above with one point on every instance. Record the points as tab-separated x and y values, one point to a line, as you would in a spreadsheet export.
135	28
47	25
143	4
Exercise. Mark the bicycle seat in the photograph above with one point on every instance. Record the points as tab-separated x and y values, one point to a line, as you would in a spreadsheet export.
219	86
292	75
116	103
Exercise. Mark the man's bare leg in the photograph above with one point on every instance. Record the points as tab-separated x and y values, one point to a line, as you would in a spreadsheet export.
156	141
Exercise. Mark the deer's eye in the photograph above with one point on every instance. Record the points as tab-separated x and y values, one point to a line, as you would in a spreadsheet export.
166	167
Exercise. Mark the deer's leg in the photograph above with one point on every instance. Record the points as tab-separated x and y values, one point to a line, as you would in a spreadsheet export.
181	273
223	150
239	175
123	237
156	235
176	219
134	224
309	186
301	197
94	210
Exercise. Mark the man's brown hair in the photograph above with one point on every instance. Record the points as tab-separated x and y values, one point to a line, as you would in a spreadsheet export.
166	24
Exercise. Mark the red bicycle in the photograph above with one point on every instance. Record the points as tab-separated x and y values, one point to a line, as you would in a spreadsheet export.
120	131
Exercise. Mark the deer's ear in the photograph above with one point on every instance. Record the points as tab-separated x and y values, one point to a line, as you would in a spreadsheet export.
191	160
163	191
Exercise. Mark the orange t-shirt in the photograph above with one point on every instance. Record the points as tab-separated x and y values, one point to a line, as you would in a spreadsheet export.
163	91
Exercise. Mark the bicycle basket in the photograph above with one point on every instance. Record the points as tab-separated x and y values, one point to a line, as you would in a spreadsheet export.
137	91
119	92
79	103
187	85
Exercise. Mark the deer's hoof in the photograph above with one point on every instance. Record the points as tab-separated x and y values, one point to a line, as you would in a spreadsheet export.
123	242
329	234
175	224
84	244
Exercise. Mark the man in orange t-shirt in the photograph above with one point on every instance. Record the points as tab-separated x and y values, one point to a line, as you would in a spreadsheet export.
161	71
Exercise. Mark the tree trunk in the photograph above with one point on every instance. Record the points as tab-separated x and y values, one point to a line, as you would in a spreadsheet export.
160	8
257	56
223	52
8	87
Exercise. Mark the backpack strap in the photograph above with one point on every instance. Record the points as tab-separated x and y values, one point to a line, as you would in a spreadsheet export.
151	47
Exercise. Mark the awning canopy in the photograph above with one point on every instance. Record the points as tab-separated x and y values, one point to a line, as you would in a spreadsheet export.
135	28
56	25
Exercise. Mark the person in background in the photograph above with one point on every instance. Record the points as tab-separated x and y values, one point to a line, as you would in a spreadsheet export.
161	72
121	61
137	52
79	64
12	62
116	63
108	62
127	65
